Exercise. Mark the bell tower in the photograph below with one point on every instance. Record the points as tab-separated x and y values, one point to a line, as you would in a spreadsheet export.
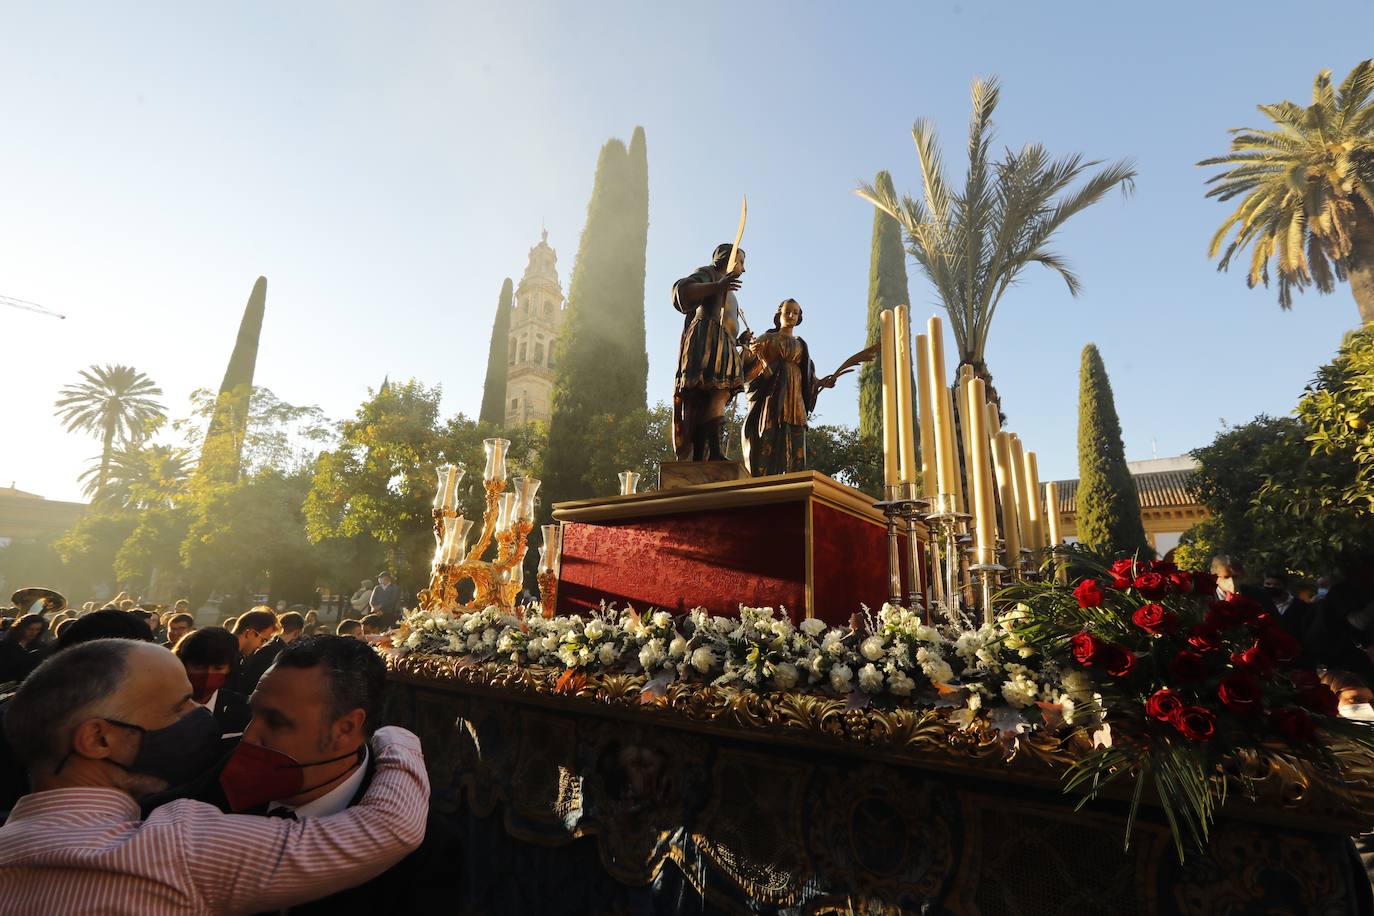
535	318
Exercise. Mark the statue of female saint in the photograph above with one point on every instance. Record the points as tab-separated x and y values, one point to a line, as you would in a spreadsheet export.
781	397
710	368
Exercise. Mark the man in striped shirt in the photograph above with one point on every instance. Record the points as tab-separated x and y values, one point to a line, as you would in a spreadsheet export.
103	723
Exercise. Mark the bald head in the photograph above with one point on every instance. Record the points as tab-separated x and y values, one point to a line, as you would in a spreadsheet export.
63	707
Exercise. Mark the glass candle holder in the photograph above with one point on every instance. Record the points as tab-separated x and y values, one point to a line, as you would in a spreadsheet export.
525	488
516	574
505	514
457	543
551	553
443	493
629	483
496	459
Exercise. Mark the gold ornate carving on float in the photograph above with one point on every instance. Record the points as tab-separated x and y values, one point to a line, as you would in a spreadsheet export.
927	738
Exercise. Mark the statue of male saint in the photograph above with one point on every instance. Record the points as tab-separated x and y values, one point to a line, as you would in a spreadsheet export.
710	368
781	397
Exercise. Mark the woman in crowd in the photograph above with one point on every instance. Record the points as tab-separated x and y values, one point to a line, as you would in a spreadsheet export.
19	649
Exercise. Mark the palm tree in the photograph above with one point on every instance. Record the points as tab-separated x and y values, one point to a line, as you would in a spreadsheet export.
1307	192
114	403
973	245
140	477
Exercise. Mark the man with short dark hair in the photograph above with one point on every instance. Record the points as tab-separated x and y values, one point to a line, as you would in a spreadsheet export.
254	628
349	627
107	721
373	624
292	625
177	627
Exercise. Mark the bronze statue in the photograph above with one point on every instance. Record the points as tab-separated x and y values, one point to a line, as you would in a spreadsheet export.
781	397
710	367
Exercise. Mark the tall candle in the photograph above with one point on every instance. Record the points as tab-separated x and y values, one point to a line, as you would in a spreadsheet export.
980	477
957	479
926	405
963	408
1023	496
945	465
891	451
1037	518
906	434
1006	488
1052	511
994	421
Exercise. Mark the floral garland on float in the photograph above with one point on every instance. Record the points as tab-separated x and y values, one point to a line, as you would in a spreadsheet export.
1135	663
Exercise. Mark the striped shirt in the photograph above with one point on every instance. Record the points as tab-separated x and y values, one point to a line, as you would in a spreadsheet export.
84	850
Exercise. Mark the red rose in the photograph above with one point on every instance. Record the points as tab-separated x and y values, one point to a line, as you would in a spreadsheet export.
1087	649
1122	573
1254	660
1152	585
1241	694
1153	618
1293	724
1278	644
1248	608
1204	583
1204	638
1188	666
1119	662
1088	594
1182	581
1222	614
1197	723
1163	704
1320	699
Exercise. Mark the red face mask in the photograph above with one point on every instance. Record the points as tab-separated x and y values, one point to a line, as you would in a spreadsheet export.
255	775
204	683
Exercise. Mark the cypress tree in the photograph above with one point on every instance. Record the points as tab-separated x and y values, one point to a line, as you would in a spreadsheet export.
1108	504
887	288
601	361
223	447
494	390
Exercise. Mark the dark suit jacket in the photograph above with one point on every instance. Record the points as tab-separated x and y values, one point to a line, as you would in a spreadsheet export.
256	665
231	711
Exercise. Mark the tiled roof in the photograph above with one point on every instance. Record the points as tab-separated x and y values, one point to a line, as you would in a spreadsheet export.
1158	490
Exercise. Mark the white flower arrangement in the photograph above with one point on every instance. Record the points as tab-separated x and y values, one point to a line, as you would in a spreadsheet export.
986	673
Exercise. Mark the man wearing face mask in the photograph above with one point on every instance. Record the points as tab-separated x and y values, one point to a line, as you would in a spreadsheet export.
1294	615
103	723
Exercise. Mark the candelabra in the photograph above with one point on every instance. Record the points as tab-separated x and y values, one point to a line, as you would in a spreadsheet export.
947	525
550	561
507	518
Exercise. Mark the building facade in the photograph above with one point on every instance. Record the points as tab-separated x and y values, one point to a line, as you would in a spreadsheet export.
535	318
1167	506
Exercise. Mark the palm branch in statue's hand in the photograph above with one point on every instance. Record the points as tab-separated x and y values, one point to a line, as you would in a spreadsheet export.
848	366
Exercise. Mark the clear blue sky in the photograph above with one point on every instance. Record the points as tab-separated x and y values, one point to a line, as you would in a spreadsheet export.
386	165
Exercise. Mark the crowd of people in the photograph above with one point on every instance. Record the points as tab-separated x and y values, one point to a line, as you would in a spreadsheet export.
151	766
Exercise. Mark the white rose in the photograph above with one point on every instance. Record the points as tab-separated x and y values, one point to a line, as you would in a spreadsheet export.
662	619
813	626
455	642
873	648
678	647
703	659
535	649
870	679
785	675
595	630
651	654
606	654
413	640
833	644
505	643
840	676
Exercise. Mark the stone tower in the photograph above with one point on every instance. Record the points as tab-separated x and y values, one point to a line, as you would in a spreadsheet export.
535	317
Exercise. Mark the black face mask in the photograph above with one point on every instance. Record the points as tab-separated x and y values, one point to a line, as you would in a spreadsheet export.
178	753
1276	593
